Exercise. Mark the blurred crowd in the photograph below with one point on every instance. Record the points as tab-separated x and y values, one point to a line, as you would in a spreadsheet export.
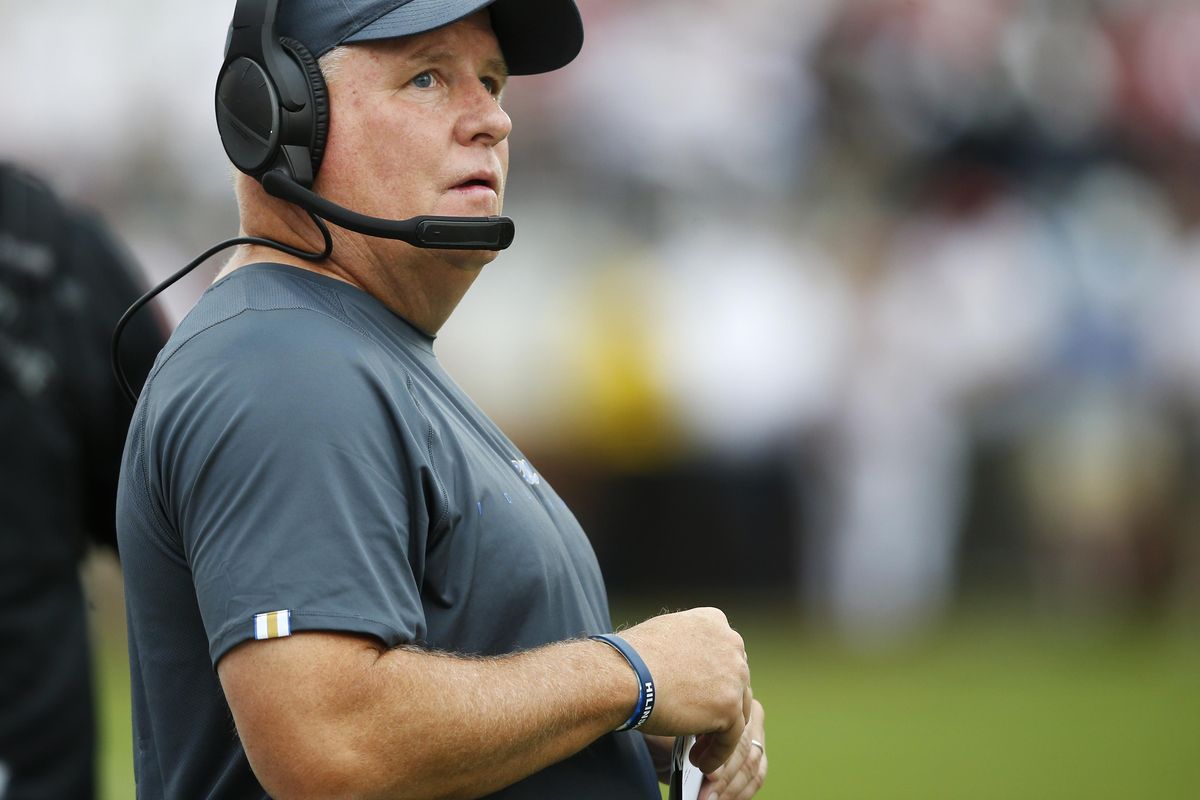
944	255
872	299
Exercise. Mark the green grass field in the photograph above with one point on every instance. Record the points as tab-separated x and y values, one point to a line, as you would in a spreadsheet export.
990	707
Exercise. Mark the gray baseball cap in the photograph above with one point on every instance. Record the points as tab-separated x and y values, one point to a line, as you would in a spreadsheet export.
535	35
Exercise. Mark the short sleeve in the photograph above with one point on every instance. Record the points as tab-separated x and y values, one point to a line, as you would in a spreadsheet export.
293	479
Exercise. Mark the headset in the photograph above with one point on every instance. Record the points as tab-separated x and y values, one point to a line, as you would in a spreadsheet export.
272	111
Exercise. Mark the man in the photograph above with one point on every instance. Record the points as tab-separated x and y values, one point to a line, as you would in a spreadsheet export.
396	604
63	282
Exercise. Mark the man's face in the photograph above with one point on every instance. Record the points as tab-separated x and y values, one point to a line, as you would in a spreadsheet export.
416	125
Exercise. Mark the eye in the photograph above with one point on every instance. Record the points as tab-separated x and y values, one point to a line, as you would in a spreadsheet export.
423	80
493	86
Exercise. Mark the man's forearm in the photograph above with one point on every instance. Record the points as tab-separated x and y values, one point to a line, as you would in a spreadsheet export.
487	723
414	724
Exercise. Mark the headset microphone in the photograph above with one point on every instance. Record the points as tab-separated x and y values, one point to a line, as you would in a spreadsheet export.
449	233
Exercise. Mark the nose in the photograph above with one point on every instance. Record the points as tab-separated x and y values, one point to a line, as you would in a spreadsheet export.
482	119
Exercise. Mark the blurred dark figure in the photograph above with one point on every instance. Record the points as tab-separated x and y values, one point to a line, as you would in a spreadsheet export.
63	284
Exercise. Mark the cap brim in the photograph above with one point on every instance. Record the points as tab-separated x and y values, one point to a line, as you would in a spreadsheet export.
535	35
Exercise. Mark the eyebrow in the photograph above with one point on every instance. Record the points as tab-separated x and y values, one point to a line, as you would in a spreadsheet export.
435	56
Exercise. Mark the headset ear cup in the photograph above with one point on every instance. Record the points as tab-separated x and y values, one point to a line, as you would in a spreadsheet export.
319	94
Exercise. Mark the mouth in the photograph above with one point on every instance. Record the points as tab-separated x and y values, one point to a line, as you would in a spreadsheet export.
477	181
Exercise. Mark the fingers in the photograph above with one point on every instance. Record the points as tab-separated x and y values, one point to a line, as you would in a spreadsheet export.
748	779
710	752
714	749
716	782
746	782
756	728
741	777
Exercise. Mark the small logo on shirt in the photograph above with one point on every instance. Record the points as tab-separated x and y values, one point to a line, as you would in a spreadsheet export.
527	472
273	624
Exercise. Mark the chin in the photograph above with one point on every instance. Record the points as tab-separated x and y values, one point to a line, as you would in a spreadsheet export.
469	260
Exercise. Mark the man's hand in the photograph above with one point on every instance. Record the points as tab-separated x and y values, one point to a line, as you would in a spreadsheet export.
702	680
743	774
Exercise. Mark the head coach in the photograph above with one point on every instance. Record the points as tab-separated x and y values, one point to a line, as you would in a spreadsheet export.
342	579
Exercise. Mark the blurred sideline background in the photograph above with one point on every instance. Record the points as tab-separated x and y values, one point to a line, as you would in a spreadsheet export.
875	322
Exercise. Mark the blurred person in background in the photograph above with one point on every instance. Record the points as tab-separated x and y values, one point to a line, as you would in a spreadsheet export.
955	323
326	540
1019	248
63	284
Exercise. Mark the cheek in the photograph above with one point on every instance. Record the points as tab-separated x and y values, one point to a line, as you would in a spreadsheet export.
366	163
502	155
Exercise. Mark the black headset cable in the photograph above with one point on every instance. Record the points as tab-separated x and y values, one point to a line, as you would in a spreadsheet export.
119	371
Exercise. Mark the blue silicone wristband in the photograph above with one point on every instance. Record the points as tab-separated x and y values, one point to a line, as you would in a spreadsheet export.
645	703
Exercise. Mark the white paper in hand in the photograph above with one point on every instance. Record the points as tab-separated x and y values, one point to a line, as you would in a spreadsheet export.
686	777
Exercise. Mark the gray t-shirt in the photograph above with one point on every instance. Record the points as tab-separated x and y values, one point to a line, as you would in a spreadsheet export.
300	461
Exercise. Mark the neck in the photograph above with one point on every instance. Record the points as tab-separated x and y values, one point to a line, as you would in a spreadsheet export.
421	286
